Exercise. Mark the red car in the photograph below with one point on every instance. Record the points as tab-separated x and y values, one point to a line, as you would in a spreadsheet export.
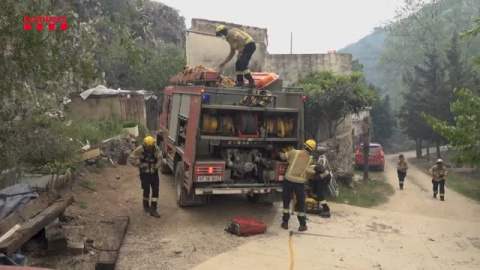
377	156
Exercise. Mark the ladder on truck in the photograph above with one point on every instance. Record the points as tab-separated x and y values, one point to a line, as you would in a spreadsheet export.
333	187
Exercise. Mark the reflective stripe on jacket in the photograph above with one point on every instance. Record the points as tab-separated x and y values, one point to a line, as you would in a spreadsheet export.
299	162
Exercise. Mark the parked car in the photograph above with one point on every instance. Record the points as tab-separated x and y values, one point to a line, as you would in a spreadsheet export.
376	160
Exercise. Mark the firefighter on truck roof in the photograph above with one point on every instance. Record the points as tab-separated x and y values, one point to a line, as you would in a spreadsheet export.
245	45
147	158
296	176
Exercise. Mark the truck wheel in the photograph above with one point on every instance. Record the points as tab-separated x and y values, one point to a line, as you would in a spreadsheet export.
164	169
181	192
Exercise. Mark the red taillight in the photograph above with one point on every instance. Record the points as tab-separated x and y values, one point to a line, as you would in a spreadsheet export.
358	152
209	169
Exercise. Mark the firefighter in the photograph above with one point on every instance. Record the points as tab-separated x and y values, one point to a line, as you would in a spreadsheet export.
296	176
245	45
320	182
147	158
402	167
439	171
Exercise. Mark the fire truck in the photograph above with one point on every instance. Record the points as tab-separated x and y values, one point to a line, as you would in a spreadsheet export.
213	143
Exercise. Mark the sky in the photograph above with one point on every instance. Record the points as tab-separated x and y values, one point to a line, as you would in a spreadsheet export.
317	25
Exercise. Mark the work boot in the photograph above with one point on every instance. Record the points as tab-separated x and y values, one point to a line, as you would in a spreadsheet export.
324	214
442	198
251	81
434	195
239	81
401	186
302	228
284	225
153	210
146	206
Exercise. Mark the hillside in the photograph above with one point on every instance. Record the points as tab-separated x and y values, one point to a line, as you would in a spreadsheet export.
368	51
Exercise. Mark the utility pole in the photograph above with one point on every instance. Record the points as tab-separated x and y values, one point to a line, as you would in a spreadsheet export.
291	42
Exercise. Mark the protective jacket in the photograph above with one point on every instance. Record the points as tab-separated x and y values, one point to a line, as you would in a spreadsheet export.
238	39
148	161
402	166
438	173
299	169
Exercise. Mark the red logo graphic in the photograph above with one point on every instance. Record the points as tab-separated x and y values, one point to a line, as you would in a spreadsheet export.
39	21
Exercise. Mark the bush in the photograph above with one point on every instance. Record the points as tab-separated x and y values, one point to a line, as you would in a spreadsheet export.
129	124
95	131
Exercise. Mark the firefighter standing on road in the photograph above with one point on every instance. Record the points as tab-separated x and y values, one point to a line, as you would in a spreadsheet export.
320	182
147	158
245	45
402	167
439	171
296	176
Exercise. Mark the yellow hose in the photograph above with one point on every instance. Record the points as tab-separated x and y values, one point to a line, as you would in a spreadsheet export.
292	255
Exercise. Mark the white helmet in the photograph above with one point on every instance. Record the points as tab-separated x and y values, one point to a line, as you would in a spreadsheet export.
439	160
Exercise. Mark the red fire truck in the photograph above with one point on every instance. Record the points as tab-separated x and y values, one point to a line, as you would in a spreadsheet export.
214	145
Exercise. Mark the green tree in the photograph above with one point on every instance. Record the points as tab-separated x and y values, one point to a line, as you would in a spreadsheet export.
464	136
383	120
332	97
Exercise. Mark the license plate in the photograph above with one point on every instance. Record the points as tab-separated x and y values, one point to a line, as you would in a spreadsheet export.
209	178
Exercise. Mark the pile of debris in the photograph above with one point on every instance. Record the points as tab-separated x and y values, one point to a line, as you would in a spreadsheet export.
224	81
339	159
27	214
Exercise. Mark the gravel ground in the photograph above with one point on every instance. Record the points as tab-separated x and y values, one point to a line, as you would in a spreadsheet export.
180	239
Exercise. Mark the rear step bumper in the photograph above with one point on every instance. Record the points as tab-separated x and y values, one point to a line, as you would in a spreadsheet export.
236	190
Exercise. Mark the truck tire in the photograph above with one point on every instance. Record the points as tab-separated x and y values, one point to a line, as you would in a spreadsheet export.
180	191
164	169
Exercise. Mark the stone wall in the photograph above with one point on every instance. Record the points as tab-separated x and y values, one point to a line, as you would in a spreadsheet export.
131	107
291	67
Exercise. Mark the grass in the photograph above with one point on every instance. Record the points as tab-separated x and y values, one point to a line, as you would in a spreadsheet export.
366	193
88	184
81	204
467	184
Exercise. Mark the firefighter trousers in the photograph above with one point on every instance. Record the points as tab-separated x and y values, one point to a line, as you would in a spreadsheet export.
436	185
401	177
299	189
241	66
150	181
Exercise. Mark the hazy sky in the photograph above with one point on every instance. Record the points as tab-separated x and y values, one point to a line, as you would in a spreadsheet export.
317	25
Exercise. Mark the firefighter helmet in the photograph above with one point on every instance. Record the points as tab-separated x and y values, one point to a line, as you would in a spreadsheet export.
149	141
220	28
310	144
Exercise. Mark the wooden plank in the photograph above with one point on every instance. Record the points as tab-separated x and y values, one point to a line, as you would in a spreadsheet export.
34	225
108	258
91	154
28	211
10	232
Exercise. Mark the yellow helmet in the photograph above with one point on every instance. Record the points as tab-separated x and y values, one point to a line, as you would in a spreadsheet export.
220	28
310	144
149	141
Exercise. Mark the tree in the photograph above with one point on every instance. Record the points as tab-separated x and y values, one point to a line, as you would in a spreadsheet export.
383	120
332	97
367	131
464	136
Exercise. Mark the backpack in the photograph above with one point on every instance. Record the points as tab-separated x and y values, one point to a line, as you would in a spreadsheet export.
246	226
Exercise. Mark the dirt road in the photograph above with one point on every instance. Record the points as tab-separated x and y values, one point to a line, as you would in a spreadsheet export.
416	197
412	231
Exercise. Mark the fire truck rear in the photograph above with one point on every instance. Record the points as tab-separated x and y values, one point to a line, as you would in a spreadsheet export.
215	144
